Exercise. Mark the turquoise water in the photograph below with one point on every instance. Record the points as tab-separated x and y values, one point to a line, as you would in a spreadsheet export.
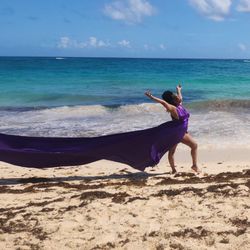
93	96
47	82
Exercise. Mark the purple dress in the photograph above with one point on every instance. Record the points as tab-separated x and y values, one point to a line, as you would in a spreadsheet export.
139	149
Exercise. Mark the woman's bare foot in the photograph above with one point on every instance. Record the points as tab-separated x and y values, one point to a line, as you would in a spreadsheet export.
174	171
196	169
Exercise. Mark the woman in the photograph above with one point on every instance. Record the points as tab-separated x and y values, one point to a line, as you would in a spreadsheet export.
139	149
173	104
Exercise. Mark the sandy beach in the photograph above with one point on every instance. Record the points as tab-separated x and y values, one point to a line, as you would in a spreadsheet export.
124	80
107	205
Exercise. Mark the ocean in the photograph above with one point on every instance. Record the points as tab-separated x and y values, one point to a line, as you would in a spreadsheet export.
85	97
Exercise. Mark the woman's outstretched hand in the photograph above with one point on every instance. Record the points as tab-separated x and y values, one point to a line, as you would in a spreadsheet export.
148	94
178	87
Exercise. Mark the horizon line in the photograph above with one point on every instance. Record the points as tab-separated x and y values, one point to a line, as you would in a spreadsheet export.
117	57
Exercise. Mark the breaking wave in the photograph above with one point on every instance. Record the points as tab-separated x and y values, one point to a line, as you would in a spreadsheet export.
221	105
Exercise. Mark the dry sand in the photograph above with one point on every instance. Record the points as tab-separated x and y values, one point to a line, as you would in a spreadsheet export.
107	205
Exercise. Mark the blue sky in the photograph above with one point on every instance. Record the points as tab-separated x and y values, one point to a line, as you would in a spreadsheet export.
126	28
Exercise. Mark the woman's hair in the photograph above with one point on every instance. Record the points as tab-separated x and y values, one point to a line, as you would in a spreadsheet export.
168	97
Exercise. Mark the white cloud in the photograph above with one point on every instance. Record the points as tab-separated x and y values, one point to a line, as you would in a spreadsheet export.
64	42
148	47
215	10
242	47
103	44
124	43
244	6
129	11
162	46
92	42
80	45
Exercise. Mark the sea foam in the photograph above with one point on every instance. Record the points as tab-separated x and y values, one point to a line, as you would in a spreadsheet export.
221	127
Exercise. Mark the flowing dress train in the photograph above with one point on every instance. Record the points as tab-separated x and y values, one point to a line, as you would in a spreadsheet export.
139	149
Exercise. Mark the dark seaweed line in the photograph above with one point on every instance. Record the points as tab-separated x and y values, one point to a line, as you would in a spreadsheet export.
220	178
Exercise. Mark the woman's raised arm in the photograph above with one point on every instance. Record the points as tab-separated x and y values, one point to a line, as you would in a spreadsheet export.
178	90
169	107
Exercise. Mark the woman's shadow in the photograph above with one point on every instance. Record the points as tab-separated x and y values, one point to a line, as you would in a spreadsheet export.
138	176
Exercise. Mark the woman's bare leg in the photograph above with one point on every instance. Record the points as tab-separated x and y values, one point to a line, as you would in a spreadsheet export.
189	141
171	158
